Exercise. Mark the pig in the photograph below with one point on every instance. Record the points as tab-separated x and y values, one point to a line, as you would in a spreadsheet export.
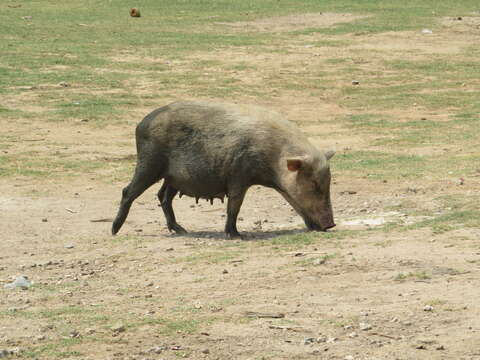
214	150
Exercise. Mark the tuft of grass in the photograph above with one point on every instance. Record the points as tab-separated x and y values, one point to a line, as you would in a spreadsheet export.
418	275
376	164
316	261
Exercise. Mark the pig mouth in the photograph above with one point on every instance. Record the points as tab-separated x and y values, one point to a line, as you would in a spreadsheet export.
311	224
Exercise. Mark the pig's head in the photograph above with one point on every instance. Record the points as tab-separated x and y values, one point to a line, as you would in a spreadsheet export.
306	186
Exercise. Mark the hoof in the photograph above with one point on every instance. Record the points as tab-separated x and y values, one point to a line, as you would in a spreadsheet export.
177	229
235	236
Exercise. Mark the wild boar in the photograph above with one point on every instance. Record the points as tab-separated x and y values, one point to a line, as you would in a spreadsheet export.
212	150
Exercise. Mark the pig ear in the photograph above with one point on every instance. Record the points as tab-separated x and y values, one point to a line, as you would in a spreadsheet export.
329	154
294	164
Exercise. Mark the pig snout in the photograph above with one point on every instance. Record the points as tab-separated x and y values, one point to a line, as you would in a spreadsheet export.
327	222
330	225
323	225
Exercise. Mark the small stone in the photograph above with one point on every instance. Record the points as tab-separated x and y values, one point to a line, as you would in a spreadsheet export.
365	326
41	337
44	220
64	84
149	284
225	271
428	308
69	246
441	347
157	349
20	282
74	334
355	82
4	353
322	339
427	31
118	328
353	335
205	351
309	341
319	261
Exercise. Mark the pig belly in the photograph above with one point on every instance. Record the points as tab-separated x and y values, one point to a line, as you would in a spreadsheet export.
198	187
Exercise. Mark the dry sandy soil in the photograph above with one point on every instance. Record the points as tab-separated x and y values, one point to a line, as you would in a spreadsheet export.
147	294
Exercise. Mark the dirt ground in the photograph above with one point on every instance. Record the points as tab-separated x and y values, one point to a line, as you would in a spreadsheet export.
148	294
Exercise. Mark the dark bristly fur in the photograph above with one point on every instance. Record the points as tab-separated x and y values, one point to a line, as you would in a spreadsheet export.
210	150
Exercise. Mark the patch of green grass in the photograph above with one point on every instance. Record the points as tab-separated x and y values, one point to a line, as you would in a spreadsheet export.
316	261
418	275
173	327
209	257
34	164
299	240
83	106
376	164
59	349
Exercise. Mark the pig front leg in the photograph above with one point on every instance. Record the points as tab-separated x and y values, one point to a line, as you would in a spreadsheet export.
235	200
165	196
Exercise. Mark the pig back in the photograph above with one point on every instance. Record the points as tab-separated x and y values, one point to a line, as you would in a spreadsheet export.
208	145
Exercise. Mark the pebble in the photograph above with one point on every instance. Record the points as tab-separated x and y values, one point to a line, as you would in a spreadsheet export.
319	261
365	326
118	328
157	349
21	282
428	308
69	246
322	339
353	335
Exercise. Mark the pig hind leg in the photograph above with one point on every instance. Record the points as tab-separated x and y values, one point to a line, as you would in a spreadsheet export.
235	200
147	172
165	196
